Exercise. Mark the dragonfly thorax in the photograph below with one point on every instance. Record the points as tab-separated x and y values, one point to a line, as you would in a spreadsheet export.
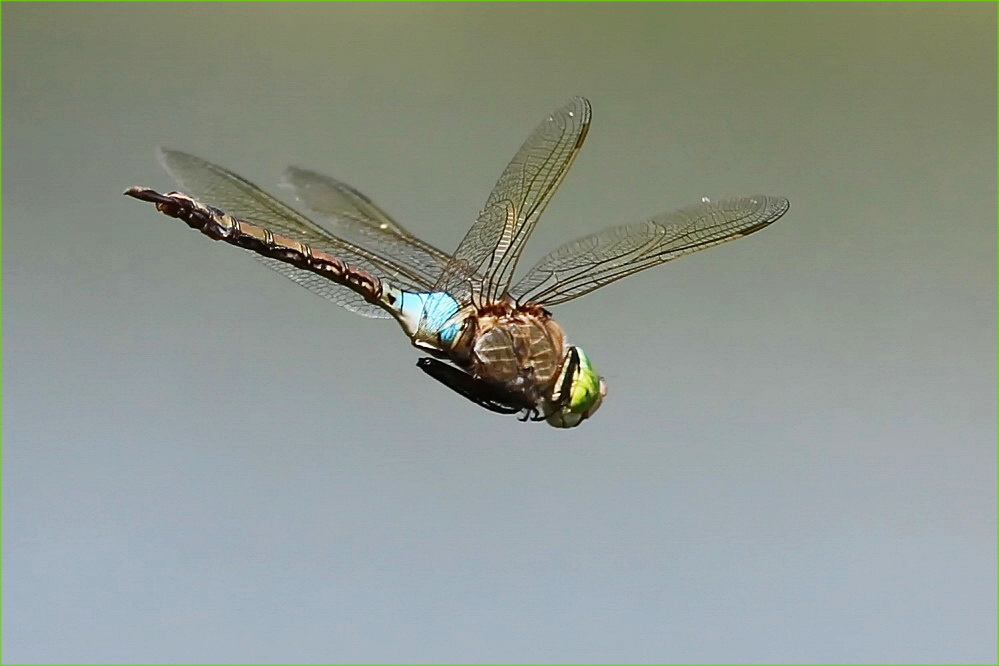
518	348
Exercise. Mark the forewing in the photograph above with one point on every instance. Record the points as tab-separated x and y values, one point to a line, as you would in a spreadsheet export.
588	263
223	189
495	241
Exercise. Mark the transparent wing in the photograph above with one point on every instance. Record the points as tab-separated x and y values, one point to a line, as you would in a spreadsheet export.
588	263
237	196
351	215
495	241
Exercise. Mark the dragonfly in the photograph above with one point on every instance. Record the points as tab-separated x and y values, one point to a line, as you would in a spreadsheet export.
490	339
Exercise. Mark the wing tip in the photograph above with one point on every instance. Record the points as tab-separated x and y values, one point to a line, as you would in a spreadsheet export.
771	209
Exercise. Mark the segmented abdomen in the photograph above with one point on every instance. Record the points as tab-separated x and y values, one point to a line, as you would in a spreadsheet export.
219	225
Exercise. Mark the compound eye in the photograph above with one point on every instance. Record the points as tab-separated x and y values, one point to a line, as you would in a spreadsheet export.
577	393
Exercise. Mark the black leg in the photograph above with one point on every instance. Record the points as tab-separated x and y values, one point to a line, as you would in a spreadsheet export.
480	392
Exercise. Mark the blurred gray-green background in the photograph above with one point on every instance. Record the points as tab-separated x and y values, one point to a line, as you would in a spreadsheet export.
203	462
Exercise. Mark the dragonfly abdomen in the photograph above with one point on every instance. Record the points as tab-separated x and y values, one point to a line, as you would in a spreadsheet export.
219	225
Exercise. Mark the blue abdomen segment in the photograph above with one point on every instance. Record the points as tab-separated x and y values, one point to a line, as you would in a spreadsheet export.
434	310
438	309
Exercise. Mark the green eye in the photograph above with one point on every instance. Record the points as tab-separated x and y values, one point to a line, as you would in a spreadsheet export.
578	391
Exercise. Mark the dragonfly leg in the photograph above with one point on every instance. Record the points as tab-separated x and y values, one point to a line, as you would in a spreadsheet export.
484	394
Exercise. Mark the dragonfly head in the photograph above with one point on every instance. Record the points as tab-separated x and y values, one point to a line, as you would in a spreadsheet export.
577	393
